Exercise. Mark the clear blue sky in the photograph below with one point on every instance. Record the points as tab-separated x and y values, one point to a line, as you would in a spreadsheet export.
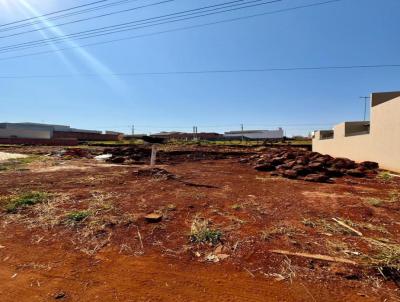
348	32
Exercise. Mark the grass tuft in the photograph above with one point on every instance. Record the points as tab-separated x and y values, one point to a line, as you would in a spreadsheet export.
25	200
200	232
78	216
374	202
385	176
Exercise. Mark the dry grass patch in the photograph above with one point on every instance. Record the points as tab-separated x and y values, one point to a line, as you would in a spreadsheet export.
386	258
273	232
91	224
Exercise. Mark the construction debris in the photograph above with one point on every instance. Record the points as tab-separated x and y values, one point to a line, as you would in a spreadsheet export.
153	217
315	256
309	166
343	224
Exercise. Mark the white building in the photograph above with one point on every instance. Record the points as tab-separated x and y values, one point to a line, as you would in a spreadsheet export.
256	134
36	130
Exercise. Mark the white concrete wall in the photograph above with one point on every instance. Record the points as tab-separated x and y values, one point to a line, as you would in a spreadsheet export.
264	134
381	145
23	133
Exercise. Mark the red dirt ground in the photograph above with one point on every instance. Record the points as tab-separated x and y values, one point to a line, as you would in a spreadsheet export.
141	261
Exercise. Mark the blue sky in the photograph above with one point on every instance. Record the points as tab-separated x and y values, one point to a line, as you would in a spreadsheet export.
348	32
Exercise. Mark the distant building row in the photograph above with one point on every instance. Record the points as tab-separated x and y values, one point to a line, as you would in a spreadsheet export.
50	134
246	134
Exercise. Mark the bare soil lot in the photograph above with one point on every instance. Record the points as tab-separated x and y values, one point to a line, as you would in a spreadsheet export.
75	229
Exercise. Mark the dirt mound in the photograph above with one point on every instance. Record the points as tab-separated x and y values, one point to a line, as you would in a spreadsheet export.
141	155
73	153
157	173
309	166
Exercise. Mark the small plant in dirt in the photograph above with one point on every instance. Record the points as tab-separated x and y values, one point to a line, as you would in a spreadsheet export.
270	233
19	163
374	202
236	206
25	200
394	196
200	232
78	216
385	176
309	223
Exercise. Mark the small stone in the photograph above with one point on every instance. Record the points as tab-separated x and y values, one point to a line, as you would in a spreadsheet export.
265	167
356	172
153	217
222	256
370	165
59	295
292	174
316	178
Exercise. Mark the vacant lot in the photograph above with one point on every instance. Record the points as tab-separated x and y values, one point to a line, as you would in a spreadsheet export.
76	229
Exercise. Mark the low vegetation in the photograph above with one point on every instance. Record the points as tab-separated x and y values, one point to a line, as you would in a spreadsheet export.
200	232
18	164
385	176
374	202
78	216
386	258
25	200
270	233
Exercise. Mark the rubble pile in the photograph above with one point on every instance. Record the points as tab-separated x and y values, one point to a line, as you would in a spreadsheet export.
128	155
74	153
141	155
309	166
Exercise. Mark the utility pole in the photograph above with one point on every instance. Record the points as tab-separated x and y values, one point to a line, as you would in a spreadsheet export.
194	132
366	99
242	129
133	129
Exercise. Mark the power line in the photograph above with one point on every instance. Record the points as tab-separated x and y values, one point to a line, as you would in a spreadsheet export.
215	71
174	30
55	12
86	19
203	11
71	14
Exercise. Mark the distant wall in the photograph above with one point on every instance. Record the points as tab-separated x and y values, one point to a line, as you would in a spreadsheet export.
24	133
85	136
381	144
257	135
42	142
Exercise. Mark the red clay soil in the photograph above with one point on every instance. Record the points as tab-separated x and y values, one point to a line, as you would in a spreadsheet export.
139	261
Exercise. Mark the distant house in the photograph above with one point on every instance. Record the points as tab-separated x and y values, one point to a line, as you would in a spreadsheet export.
255	134
18	132
188	136
377	140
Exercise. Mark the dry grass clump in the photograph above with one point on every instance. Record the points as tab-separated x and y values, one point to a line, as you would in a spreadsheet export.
270	233
200	232
386	258
374	202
